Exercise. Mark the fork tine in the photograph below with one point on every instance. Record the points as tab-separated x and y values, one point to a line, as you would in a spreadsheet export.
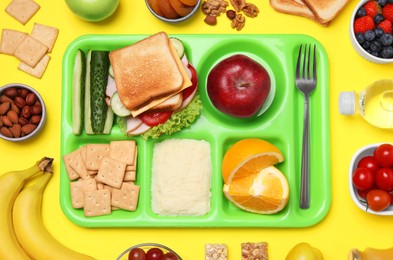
299	58
309	62
315	63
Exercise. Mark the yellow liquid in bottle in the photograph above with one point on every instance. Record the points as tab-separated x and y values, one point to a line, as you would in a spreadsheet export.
376	104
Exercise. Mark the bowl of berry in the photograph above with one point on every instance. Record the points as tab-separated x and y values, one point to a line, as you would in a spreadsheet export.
149	251
371	30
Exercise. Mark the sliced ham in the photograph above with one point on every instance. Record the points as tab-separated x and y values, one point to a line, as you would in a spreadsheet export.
139	130
110	87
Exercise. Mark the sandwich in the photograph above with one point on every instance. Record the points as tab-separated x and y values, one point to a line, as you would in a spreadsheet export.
321	11
152	82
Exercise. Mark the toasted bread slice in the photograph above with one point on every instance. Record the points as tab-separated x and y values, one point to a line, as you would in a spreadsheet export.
170	104
148	72
325	10
294	7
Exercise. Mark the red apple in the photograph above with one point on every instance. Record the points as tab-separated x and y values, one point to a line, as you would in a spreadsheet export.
238	86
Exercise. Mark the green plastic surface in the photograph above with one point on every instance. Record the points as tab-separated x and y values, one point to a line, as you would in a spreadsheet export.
281	124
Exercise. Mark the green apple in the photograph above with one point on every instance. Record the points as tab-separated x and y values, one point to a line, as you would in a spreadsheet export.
93	10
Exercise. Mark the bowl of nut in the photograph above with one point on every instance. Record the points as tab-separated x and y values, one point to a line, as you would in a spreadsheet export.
371	32
149	251
173	11
22	112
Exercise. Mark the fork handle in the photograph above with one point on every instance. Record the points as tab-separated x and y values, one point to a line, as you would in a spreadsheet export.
305	177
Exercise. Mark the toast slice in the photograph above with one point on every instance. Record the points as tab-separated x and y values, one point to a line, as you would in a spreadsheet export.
325	10
148	72
294	7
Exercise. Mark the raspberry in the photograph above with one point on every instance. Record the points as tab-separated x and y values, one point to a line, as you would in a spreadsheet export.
386	26
363	24
387	12
372	8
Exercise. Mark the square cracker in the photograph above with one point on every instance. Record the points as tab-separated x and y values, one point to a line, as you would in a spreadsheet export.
126	197
10	39
77	189
75	162
111	172
30	51
38	70
129	175
45	34
22	10
94	155
123	151
97	203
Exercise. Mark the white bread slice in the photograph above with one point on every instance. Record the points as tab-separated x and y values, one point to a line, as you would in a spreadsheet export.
325	10
294	7
148	72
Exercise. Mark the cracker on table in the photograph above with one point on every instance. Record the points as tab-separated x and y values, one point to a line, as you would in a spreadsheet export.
30	51
45	34
10	39
75	161
254	251
97	203
38	70
77	189
94	154
126	197
22	10
111	172
123	151
216	252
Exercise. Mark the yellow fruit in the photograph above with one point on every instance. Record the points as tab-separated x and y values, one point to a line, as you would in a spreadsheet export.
249	156
266	192
304	251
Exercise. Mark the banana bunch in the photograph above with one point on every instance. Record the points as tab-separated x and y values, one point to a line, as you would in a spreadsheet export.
22	231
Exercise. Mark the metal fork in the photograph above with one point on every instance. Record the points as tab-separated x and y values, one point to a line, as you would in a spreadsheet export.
306	81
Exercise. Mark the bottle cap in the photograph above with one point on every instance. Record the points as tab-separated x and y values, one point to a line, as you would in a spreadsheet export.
346	103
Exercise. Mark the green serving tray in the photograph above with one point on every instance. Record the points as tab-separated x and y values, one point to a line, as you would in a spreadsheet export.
281	124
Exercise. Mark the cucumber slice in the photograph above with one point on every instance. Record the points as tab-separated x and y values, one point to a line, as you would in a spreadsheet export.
179	47
108	121
118	107
78	91
111	73
87	113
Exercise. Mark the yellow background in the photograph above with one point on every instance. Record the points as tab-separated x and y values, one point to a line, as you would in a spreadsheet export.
344	227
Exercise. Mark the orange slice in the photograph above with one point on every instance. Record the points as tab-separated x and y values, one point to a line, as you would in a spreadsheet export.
180	8
264	193
248	157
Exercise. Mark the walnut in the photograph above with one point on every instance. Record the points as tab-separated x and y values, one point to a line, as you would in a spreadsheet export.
238	4
214	7
238	22
250	10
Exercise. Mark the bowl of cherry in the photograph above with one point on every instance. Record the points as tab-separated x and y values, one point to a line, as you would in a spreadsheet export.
148	251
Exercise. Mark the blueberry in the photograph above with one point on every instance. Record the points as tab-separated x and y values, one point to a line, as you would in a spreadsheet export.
387	52
378	18
386	39
361	12
378	32
376	46
369	35
366	45
360	38
382	2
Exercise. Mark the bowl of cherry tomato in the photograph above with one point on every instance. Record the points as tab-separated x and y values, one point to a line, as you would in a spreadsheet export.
149	251
371	178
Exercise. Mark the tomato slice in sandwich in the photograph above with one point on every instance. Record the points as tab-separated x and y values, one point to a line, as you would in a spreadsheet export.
154	118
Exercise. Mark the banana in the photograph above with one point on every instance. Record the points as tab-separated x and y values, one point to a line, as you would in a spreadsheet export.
29	227
371	253
11	184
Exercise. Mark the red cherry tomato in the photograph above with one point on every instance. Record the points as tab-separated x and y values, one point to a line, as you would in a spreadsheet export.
155	118
378	200
363	178
384	179
169	256
194	79
369	162
384	155
154	254
137	254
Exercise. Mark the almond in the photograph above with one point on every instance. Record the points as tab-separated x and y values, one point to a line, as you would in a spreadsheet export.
31	99
26	113
4	99
36	109
6	132
35	120
27	129
6	121
20	102
15	108
23	92
13	116
4	107
16	130
23	121
10	92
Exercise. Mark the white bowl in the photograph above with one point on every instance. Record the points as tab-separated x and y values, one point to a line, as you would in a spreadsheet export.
362	152
43	115
362	52
176	20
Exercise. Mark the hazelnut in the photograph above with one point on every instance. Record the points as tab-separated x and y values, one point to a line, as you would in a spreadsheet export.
231	14
210	20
